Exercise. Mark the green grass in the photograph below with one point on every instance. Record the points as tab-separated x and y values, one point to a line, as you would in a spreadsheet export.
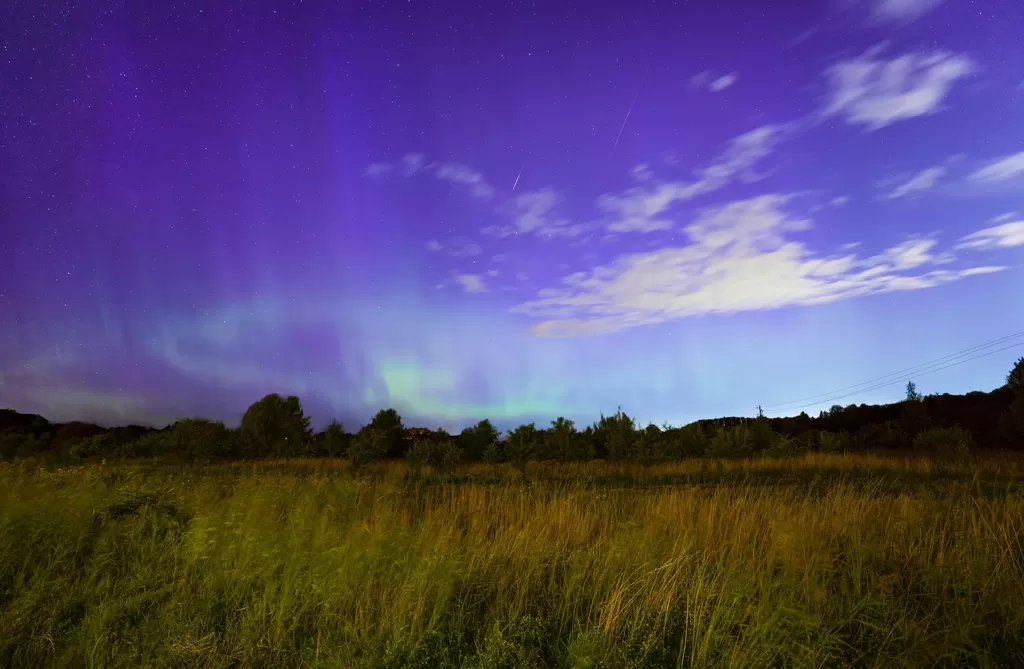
821	561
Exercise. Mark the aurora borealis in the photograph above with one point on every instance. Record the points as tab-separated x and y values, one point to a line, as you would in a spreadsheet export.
508	210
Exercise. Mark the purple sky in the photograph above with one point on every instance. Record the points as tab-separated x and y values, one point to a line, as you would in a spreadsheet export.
514	211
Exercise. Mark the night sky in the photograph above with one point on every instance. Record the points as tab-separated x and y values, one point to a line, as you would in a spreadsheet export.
504	210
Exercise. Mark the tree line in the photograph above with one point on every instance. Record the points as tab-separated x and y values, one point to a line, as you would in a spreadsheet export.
276	427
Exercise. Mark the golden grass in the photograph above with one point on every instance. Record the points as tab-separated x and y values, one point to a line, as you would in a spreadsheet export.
307	564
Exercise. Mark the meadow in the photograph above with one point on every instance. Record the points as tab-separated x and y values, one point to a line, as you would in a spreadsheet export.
820	560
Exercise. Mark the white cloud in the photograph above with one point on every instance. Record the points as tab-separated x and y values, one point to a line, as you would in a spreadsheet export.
471	283
492	273
378	169
839	200
898	11
534	213
698	80
741	259
999	236
464	249
434	245
872	91
921	181
461	174
723	82
413	164
642	172
1002	169
804	36
641	209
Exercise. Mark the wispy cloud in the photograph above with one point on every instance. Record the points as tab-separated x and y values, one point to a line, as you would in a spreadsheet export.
723	82
741	258
1001	169
923	180
713	82
804	36
902	11
464	249
875	92
999	236
460	174
534	213
642	208
379	169
412	164
434	245
471	283
839	200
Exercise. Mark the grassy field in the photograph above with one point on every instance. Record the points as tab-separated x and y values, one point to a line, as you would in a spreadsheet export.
820	561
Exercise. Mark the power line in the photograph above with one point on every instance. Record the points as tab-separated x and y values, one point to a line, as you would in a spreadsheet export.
911	376
915	369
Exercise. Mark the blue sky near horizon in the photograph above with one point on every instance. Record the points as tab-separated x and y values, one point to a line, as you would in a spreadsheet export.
512	212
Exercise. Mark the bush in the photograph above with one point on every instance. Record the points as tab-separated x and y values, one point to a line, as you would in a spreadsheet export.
832	442
783	446
729	442
437	452
369	445
953	443
198	439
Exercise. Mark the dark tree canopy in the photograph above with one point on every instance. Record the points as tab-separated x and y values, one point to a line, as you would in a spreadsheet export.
388	424
1015	379
276	425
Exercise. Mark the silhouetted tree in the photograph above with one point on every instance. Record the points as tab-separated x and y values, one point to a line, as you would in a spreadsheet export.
912	394
1015	379
521	445
474	441
617	434
915	417
1011	423
334	441
561	440
389	424
761	434
276	426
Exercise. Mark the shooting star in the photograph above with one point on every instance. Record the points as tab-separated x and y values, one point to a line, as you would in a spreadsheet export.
630	110
517	180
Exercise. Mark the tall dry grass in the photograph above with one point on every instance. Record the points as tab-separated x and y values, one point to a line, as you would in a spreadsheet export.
303	565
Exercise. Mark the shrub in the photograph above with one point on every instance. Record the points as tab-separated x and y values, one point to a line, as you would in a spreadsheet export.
494	453
784	446
831	442
199	439
729	442
369	445
437	452
954	443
